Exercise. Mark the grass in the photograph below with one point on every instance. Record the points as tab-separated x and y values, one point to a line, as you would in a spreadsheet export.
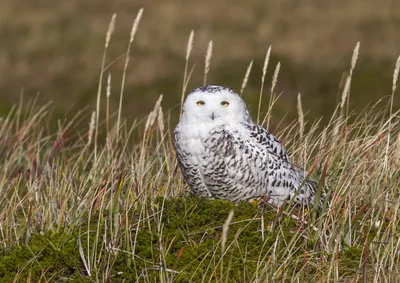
107	203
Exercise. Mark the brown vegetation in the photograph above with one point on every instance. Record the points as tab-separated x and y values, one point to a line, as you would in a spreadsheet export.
54	48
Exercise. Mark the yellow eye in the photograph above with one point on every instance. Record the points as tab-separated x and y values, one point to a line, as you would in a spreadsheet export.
200	103
225	103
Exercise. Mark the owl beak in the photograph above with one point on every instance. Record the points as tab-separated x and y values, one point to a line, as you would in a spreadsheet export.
212	116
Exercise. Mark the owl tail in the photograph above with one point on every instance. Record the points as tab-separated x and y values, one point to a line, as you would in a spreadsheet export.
316	193
309	185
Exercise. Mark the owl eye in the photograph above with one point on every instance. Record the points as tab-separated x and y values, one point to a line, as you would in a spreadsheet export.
225	103
200	103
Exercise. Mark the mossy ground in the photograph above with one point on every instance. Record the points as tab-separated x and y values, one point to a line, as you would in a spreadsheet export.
178	239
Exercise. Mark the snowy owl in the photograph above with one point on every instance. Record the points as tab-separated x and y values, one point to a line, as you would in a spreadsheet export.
223	154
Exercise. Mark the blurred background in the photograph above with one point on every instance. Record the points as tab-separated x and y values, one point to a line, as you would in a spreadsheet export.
54	49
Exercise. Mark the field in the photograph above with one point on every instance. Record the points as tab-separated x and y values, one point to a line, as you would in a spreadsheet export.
106	201
53	51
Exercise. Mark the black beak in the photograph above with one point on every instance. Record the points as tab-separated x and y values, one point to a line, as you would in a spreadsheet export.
212	116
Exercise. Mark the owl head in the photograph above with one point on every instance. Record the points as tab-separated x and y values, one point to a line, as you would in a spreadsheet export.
214	105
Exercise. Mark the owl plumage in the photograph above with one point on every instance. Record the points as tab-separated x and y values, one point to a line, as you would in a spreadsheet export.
223	154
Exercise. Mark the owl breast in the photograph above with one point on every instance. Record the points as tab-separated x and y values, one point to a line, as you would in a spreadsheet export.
221	164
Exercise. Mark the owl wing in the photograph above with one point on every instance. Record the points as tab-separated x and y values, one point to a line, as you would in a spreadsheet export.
266	141
259	162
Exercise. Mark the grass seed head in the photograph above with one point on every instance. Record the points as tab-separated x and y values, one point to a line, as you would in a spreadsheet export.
275	77
246	77
110	30
266	61
135	25
91	127
300	115
354	57
396	74
189	45
208	58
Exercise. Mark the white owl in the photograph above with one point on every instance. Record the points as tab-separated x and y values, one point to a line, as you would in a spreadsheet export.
223	154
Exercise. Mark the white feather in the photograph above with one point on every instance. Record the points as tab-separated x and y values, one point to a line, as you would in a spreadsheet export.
223	154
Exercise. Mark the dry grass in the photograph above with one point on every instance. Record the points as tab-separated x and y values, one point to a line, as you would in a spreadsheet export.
54	181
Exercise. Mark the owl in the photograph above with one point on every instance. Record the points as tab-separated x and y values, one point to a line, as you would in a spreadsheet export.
223	154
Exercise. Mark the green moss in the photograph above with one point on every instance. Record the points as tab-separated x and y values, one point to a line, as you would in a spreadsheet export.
349	260
54	254
181	234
